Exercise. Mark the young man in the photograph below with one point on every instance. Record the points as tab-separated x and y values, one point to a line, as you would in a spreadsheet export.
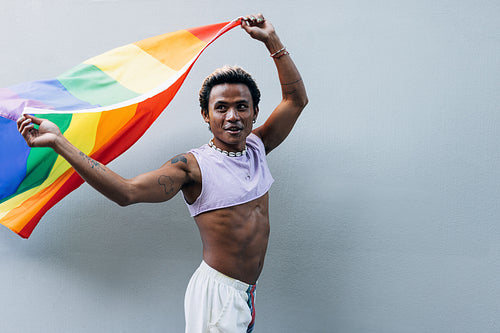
225	183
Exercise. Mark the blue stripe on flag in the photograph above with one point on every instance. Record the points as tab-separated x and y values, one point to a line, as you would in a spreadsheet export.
13	155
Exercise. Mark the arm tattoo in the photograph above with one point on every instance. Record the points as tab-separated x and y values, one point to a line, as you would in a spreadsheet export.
167	183
289	92
93	163
288	88
179	158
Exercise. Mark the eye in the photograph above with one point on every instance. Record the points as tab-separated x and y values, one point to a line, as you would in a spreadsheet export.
220	107
242	107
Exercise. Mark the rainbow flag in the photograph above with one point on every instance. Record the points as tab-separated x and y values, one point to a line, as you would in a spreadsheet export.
103	106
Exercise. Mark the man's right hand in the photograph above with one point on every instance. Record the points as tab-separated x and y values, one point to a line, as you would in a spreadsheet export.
46	134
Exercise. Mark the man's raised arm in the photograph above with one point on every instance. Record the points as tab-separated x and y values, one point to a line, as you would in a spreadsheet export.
155	186
294	97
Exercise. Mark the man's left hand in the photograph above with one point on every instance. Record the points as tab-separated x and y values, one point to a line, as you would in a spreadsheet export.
257	27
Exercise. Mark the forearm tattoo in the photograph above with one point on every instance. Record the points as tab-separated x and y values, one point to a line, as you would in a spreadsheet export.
289	92
288	88
93	163
167	183
290	83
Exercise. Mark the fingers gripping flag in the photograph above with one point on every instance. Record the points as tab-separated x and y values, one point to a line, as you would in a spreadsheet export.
103	106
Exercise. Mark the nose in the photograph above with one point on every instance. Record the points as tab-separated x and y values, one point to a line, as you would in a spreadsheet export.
232	115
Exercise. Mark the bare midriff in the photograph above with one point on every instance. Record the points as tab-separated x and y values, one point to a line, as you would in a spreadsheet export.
235	239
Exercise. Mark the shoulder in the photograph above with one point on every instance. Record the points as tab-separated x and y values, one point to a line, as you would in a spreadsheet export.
255	142
254	136
184	163
189	164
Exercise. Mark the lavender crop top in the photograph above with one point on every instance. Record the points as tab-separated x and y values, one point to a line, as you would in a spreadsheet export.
229	181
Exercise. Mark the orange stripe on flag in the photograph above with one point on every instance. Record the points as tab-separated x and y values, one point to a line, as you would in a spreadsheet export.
182	47
110	123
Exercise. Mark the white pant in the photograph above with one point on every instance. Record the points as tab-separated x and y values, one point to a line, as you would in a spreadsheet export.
216	303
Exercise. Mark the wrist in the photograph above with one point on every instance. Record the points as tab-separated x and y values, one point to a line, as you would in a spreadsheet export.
273	43
280	53
60	144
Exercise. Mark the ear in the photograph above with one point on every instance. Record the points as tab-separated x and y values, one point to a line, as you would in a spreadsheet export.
255	113
204	114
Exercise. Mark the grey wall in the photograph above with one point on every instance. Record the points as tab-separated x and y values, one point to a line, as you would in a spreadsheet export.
385	210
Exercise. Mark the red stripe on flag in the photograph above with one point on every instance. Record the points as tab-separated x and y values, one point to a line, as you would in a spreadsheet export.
206	33
69	186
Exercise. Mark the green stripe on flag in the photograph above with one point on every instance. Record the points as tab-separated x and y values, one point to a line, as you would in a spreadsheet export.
90	84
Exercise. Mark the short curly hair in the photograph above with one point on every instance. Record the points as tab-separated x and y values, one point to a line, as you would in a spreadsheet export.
228	74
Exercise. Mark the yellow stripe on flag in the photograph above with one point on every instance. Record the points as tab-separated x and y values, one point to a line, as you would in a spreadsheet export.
133	68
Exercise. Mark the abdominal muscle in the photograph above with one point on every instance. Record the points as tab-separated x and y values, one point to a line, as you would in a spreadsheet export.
235	238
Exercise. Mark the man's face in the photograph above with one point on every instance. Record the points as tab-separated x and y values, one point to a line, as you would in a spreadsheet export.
230	115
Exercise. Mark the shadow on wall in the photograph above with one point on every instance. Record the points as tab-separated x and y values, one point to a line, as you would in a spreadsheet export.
109	245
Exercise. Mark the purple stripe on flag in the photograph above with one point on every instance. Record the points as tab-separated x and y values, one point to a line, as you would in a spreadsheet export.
50	92
12	105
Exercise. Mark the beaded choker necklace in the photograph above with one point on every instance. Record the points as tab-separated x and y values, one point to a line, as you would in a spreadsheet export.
228	153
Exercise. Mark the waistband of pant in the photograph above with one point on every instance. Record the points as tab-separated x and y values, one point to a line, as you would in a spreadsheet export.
224	279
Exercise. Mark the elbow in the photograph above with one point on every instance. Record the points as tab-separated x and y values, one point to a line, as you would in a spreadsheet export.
301	102
126	194
304	101
298	103
300	99
123	199
123	202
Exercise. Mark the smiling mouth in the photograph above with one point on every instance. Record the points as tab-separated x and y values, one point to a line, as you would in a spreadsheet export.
233	129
